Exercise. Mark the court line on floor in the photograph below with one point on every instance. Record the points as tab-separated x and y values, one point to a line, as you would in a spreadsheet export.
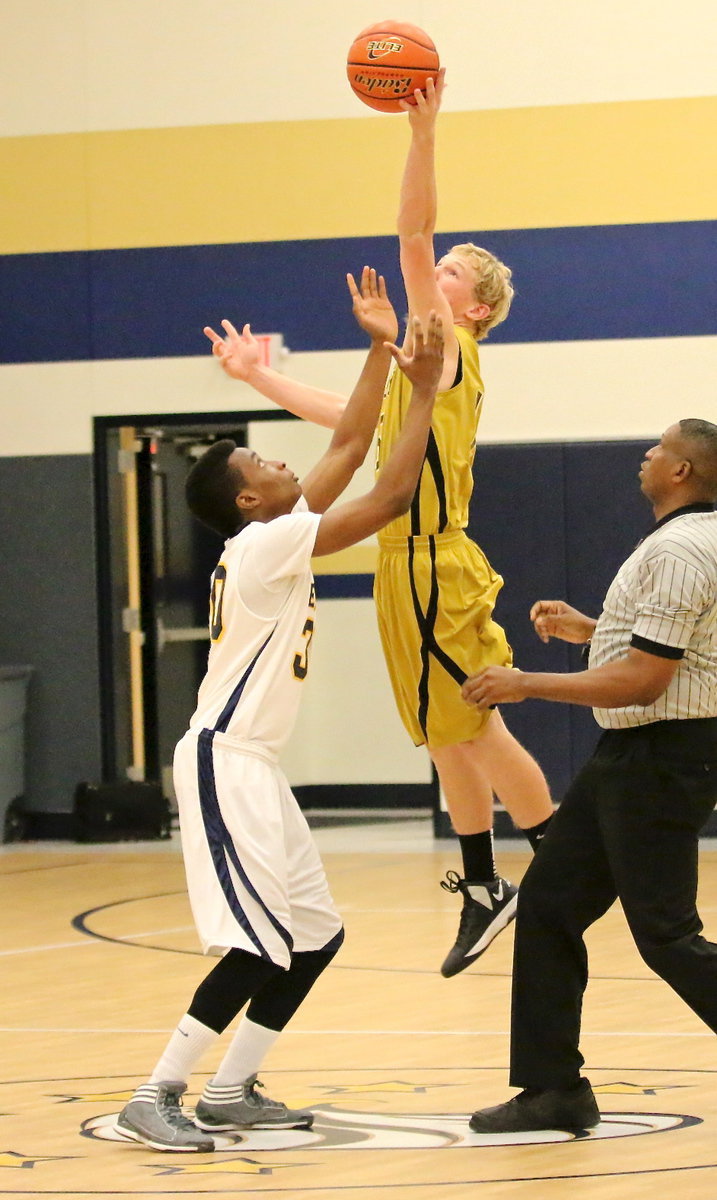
121	938
629	1033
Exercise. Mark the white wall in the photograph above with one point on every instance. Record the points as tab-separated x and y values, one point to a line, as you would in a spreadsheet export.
73	65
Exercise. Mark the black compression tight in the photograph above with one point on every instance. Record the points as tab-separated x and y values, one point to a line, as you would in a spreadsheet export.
229	985
275	1004
275	994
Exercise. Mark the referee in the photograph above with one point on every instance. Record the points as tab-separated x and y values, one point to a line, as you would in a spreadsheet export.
629	824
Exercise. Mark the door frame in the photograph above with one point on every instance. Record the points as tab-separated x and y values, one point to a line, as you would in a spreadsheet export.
103	468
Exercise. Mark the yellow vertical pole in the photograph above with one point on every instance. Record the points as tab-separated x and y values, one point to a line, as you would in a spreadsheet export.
128	446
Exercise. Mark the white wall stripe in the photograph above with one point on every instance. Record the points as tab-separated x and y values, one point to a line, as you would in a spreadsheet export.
554	391
72	65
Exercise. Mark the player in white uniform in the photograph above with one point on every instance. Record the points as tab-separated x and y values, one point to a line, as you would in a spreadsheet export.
256	883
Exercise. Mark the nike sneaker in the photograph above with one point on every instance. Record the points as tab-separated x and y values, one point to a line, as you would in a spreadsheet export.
487	909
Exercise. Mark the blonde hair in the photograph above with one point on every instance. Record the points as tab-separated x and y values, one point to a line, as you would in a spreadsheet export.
492	285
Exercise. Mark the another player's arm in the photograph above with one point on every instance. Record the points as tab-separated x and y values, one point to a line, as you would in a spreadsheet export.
393	491
354	433
416	221
238	354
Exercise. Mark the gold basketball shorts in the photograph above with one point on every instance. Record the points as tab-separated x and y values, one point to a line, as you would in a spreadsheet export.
435	595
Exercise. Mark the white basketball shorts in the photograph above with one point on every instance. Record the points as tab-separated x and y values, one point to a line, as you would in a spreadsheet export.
254	875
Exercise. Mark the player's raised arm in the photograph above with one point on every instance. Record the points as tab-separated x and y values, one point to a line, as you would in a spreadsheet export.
238	354
394	488
416	221
354	433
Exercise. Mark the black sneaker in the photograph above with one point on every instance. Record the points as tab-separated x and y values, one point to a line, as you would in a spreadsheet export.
550	1108
487	908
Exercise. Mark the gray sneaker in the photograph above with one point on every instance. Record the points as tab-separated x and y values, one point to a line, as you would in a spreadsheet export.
154	1116
241	1106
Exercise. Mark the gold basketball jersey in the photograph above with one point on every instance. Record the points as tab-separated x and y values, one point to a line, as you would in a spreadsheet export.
444	490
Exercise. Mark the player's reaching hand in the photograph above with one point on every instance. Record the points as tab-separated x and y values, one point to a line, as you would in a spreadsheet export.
555	618
372	308
424	365
423	108
396	483
237	352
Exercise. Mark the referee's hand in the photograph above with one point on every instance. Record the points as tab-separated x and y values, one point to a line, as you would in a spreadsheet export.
555	618
495	685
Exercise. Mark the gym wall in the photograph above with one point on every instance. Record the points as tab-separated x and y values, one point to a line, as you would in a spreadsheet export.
163	168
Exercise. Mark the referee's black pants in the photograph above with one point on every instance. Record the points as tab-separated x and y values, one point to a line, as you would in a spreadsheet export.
627	828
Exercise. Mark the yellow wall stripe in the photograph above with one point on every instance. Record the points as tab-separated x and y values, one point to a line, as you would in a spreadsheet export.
43	195
357	560
583	164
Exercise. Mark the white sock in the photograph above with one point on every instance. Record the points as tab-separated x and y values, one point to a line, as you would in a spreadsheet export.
246	1052
183	1051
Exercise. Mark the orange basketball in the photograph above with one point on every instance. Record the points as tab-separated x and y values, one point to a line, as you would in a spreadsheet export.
388	61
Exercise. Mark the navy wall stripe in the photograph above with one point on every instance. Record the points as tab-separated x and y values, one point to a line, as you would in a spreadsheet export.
344	587
613	281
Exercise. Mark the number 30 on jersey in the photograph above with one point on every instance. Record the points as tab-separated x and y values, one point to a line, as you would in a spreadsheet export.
301	659
216	596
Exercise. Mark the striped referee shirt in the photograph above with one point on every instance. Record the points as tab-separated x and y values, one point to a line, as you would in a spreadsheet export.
663	600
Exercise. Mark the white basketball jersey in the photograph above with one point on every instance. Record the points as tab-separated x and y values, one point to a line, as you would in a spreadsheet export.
261	622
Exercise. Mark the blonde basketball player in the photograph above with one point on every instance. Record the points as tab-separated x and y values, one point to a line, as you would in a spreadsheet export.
256	884
435	589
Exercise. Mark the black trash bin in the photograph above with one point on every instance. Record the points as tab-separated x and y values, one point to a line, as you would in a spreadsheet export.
13	706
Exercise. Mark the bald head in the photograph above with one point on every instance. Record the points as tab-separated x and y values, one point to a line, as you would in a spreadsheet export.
699	439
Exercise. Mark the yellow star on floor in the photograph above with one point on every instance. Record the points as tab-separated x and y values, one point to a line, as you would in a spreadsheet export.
226	1166
632	1089
10	1158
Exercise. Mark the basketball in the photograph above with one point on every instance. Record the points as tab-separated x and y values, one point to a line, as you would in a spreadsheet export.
387	62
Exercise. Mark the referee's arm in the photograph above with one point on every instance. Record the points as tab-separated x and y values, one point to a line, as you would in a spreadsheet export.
639	678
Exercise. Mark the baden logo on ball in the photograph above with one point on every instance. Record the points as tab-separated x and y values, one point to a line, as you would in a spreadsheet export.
388	61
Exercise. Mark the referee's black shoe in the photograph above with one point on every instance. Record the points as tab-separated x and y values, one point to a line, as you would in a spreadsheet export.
572	1108
487	909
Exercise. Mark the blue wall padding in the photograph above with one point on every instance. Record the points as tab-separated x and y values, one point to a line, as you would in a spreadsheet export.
616	281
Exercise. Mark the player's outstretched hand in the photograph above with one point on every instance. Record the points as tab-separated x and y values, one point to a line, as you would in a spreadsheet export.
424	366
555	618
237	352
423	108
372	308
495	685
